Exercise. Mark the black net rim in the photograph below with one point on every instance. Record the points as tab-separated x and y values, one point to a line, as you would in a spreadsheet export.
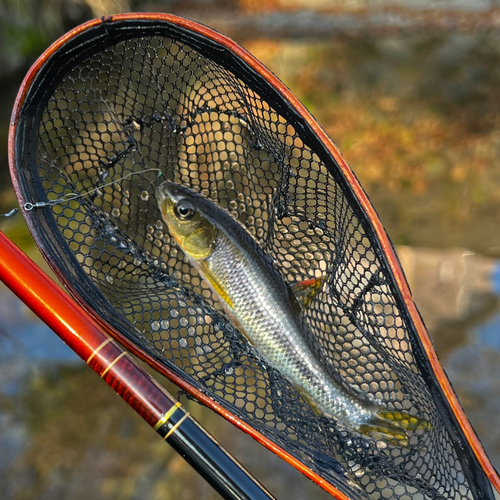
92	37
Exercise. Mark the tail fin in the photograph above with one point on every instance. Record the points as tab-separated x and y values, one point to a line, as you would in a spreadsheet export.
391	426
404	420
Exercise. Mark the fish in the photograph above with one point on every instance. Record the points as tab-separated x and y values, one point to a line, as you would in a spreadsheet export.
269	312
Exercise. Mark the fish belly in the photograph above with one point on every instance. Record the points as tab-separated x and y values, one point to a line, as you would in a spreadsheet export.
262	310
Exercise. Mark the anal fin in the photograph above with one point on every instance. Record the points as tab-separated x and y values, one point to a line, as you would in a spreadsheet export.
309	400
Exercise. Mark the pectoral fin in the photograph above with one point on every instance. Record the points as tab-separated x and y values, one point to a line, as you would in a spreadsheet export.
216	284
306	290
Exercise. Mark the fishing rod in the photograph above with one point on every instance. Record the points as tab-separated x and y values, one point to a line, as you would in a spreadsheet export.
130	381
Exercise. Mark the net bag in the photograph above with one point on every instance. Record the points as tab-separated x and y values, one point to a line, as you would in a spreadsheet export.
122	104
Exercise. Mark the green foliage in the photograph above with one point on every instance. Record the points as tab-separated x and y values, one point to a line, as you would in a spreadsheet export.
25	41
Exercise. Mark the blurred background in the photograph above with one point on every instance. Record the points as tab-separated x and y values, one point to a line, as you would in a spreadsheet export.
409	91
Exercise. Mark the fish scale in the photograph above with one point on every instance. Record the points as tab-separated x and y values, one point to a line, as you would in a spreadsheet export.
261	304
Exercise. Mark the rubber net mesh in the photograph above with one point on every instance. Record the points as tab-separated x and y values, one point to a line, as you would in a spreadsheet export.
152	108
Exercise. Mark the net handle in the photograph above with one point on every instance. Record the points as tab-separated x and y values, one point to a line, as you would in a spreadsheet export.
130	381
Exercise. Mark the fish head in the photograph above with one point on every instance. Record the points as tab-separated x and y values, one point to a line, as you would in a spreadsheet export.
182	211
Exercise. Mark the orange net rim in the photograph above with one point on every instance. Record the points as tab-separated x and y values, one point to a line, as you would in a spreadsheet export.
358	191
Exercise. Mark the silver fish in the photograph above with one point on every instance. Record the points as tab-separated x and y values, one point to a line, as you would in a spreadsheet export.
266	310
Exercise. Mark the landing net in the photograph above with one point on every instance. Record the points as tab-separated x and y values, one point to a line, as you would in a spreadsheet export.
128	104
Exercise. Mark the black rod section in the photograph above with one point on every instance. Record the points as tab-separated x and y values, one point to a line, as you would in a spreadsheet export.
220	469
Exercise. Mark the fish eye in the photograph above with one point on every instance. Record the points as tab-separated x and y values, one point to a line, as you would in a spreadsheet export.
184	211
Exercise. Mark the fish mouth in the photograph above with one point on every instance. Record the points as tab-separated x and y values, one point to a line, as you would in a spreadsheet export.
167	191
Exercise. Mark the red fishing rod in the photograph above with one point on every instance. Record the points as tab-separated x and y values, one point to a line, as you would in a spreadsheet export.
131	382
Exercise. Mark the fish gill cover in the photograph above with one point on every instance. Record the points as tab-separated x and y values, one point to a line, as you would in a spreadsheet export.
126	105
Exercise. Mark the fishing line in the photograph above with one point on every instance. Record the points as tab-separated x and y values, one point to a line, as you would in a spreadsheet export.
28	206
13	212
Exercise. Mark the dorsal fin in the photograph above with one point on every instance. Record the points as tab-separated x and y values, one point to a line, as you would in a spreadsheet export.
306	290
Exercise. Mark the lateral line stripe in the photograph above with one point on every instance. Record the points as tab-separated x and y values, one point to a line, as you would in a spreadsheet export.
109	339
163	420
111	364
176	425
